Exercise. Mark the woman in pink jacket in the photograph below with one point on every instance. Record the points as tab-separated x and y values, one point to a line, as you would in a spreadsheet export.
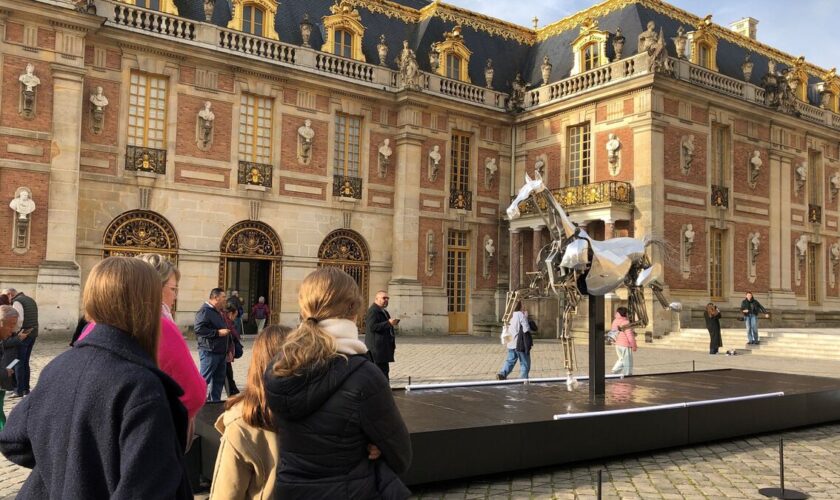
625	342
173	356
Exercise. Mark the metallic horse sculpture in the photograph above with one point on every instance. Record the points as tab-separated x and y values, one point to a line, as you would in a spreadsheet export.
574	264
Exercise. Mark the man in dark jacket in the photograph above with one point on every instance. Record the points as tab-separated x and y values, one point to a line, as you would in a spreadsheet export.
27	322
212	334
103	422
379	332
751	308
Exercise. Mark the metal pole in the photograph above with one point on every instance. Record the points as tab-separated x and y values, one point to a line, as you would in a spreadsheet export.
599	484
597	385
782	465
693	367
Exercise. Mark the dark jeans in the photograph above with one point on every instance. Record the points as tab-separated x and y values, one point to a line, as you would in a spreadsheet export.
386	369
230	384
22	371
212	368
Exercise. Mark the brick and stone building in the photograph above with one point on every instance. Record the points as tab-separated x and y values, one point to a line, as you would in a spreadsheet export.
252	141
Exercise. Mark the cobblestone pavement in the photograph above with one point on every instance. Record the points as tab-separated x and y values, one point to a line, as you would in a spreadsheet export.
728	469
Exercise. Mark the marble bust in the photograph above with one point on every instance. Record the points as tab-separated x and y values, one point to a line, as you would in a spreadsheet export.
23	204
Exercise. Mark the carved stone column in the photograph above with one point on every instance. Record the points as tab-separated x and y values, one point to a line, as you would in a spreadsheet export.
59	280
404	287
537	244
779	246
515	259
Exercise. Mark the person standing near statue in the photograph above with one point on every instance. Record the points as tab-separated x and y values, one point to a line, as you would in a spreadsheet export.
27	310
751	308
379	332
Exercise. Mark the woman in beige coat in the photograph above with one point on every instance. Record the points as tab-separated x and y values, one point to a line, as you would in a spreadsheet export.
247	461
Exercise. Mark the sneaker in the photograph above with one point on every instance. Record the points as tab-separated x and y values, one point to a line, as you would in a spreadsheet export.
499	376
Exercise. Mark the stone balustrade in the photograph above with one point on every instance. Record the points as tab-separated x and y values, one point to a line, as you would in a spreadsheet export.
134	18
263	48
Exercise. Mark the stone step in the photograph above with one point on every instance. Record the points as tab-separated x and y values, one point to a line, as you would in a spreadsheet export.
816	344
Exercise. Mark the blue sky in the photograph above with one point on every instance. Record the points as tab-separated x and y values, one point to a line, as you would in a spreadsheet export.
803	27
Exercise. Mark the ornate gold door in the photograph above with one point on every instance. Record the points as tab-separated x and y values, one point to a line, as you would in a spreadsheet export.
457	281
347	249
247	248
140	231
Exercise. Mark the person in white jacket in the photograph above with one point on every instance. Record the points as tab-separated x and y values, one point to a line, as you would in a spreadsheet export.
518	323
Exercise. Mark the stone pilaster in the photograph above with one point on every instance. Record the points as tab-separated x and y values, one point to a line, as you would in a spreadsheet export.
59	281
404	287
515	259
781	294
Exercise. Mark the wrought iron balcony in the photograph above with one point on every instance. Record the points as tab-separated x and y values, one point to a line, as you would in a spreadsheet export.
720	196
814	214
142	159
584	196
345	186
255	174
460	199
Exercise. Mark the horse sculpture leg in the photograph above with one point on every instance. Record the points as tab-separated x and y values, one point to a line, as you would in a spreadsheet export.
566	339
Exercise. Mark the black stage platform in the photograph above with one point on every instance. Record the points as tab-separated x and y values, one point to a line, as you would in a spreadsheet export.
476	430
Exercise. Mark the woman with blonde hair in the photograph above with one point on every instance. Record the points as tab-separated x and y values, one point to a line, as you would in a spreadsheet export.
104	421
341	433
247	460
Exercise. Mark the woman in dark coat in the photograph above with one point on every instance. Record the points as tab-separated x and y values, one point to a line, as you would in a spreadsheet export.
712	315
104	421
341	434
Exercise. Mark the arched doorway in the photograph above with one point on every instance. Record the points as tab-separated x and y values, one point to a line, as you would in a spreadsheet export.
140	231
250	262
347	249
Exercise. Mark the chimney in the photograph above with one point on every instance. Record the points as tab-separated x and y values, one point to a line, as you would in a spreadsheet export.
746	27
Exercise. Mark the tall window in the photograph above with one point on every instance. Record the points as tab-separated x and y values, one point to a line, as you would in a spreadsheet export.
252	20
716	257
704	55
579	154
343	44
147	111
814	185
720	154
813	287
255	129
149	4
347	131
591	56
453	66
460	178
457	274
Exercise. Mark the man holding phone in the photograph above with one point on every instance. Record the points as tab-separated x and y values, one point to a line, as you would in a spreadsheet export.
212	334
379	332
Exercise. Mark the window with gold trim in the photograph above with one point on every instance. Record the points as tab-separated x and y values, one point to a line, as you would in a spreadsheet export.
165	6
344	31
721	152
459	179
813	258
255	17
147	111
455	56
580	143
590	47
255	122
704	45
346	153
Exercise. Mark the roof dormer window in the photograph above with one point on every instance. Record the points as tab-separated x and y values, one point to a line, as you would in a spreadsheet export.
590	47
455	56
255	17
252	20
344	31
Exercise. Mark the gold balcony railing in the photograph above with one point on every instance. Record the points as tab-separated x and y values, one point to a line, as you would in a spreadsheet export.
254	174
142	159
591	195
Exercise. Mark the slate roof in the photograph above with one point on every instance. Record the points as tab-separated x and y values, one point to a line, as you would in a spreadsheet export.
509	55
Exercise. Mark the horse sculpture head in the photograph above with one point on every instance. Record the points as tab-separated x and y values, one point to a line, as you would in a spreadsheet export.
534	185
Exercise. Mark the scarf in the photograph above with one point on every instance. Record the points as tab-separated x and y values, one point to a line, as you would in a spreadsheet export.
346	335
166	313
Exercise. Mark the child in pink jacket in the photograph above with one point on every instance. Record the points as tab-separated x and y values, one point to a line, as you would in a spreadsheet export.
625	342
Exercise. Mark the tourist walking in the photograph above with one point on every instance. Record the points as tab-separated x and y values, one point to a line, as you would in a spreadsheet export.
625	342
516	336
379	333
751	308
246	465
104	421
712	316
8	320
235	348
212	334
27	310
334	407
259	313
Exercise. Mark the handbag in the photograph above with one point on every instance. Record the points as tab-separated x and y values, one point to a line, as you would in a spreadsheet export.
238	349
610	336
524	341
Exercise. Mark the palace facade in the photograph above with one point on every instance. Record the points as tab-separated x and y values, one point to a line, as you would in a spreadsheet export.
251	142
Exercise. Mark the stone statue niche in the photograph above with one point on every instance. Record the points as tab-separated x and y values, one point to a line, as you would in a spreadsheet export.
800	251
801	177
687	243
28	90
306	137
98	101
204	124
754	169
753	250
539	164
613	157
384	156
23	205
686	153
834	185
490	169
489	257
434	163
834	259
